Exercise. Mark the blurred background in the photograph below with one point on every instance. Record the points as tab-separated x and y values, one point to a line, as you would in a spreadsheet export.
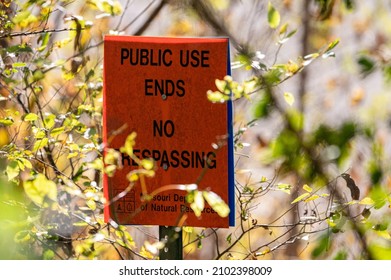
314	127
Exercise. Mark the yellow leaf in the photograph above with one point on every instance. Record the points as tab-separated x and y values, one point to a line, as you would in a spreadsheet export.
289	98
4	137
147	164
40	144
72	155
216	203
273	16
312	197
40	189
300	197
307	188
284	187
221	85
220	4
188	229
283	28
331	223
264	252
129	143
91	204
198	203
385	234
132	177
367	201
30	117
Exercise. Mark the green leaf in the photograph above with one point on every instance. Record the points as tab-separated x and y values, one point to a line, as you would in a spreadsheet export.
57	131
380	252
273	16
48	255
300	198
332	45
24	163
12	170
229	238
22	236
283	29
216	203
40	189
379	196
44	41
7	121
30	117
49	121
39	144
19	48
323	244
367	64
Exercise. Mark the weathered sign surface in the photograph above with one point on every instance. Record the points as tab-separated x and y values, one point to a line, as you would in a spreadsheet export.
156	87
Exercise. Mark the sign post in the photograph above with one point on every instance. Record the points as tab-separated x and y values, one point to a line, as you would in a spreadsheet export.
156	87
172	237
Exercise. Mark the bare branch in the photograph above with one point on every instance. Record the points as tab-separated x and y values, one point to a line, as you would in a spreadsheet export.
36	32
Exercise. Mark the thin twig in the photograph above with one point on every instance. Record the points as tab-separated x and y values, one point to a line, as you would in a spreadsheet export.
35	32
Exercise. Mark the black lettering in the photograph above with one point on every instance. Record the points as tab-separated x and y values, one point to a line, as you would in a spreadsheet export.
157	128
211	160
144	57
124	55
165	163
199	160
164	87
156	155
194	58
125	157
174	158
133	59
167	128
184	61
148	85
153	62
146	154
195	61
185	159
169	88
192	160
167	60
159	87
180	84
204	58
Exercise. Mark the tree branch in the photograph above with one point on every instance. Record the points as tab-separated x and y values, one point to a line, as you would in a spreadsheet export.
36	32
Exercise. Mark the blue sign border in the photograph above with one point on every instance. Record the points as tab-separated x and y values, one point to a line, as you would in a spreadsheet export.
231	158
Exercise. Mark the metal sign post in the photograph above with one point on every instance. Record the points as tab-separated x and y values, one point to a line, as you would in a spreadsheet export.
172	237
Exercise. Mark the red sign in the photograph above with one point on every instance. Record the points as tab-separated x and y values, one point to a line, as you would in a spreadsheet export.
157	88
